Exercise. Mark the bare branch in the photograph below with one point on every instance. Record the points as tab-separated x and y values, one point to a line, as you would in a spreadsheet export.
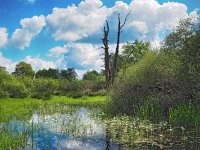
107	26
125	19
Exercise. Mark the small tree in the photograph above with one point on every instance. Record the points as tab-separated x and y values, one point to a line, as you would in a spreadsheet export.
2	69
70	73
24	69
91	75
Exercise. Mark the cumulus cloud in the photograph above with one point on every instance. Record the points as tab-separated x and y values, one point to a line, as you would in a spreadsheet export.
82	56
31	27
86	20
76	22
57	51
148	18
37	63
8	63
3	37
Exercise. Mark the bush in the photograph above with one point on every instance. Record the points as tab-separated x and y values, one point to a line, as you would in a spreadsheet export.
154	76
66	86
10	86
44	88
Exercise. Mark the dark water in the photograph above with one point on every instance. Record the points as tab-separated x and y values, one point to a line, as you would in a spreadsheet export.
83	129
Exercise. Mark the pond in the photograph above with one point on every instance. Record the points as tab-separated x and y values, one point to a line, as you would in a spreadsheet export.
87	129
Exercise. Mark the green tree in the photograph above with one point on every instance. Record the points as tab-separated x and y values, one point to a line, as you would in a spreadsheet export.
24	69
44	88
50	73
2	69
10	86
91	75
184	42
133	53
70	73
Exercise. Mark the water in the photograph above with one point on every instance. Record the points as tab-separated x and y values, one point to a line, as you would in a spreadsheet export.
84	129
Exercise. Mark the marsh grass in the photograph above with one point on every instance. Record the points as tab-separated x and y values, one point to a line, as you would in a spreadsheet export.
143	134
186	114
149	111
19	129
22	109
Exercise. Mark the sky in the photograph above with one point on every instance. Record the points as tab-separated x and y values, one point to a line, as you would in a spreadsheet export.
67	33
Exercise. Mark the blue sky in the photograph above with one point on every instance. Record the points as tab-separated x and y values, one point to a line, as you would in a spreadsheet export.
67	33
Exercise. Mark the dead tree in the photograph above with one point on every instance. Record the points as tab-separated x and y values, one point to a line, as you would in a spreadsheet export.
106	55
110	69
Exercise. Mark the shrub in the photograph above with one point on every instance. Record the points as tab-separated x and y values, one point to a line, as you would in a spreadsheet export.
10	86
44	88
154	76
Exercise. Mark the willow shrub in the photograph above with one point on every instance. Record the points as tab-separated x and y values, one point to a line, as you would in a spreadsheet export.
154	76
10	86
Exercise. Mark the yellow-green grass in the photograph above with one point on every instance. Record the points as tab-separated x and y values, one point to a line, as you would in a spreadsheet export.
22	109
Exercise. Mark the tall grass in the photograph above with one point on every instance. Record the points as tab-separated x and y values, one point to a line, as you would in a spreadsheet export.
149	111
186	114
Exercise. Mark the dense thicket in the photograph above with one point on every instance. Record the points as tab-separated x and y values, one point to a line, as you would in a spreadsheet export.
166	78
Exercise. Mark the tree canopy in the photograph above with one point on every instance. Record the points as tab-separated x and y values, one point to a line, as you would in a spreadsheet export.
24	69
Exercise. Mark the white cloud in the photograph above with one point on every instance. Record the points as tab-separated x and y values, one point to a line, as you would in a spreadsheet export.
80	73
37	63
8	63
82	56
31	27
3	37
57	51
156	44
147	19
76	22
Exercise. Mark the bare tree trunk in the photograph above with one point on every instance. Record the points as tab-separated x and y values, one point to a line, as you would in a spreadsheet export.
110	71
106	55
114	69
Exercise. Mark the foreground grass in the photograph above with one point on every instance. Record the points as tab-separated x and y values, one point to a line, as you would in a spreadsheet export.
24	108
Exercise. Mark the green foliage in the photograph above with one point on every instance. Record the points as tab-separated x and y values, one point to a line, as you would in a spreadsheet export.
70	73
133	52
185	114
44	88
16	89
10	86
91	75
150	110
170	76
24	69
50	73
4	77
66	86
184	42
2	69
153	76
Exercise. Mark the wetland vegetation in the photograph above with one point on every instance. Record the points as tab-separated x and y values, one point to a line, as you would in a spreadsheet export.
153	103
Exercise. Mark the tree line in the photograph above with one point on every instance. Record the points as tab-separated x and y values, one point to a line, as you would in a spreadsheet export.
45	83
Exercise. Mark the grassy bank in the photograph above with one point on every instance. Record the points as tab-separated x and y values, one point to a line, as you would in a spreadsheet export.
24	108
